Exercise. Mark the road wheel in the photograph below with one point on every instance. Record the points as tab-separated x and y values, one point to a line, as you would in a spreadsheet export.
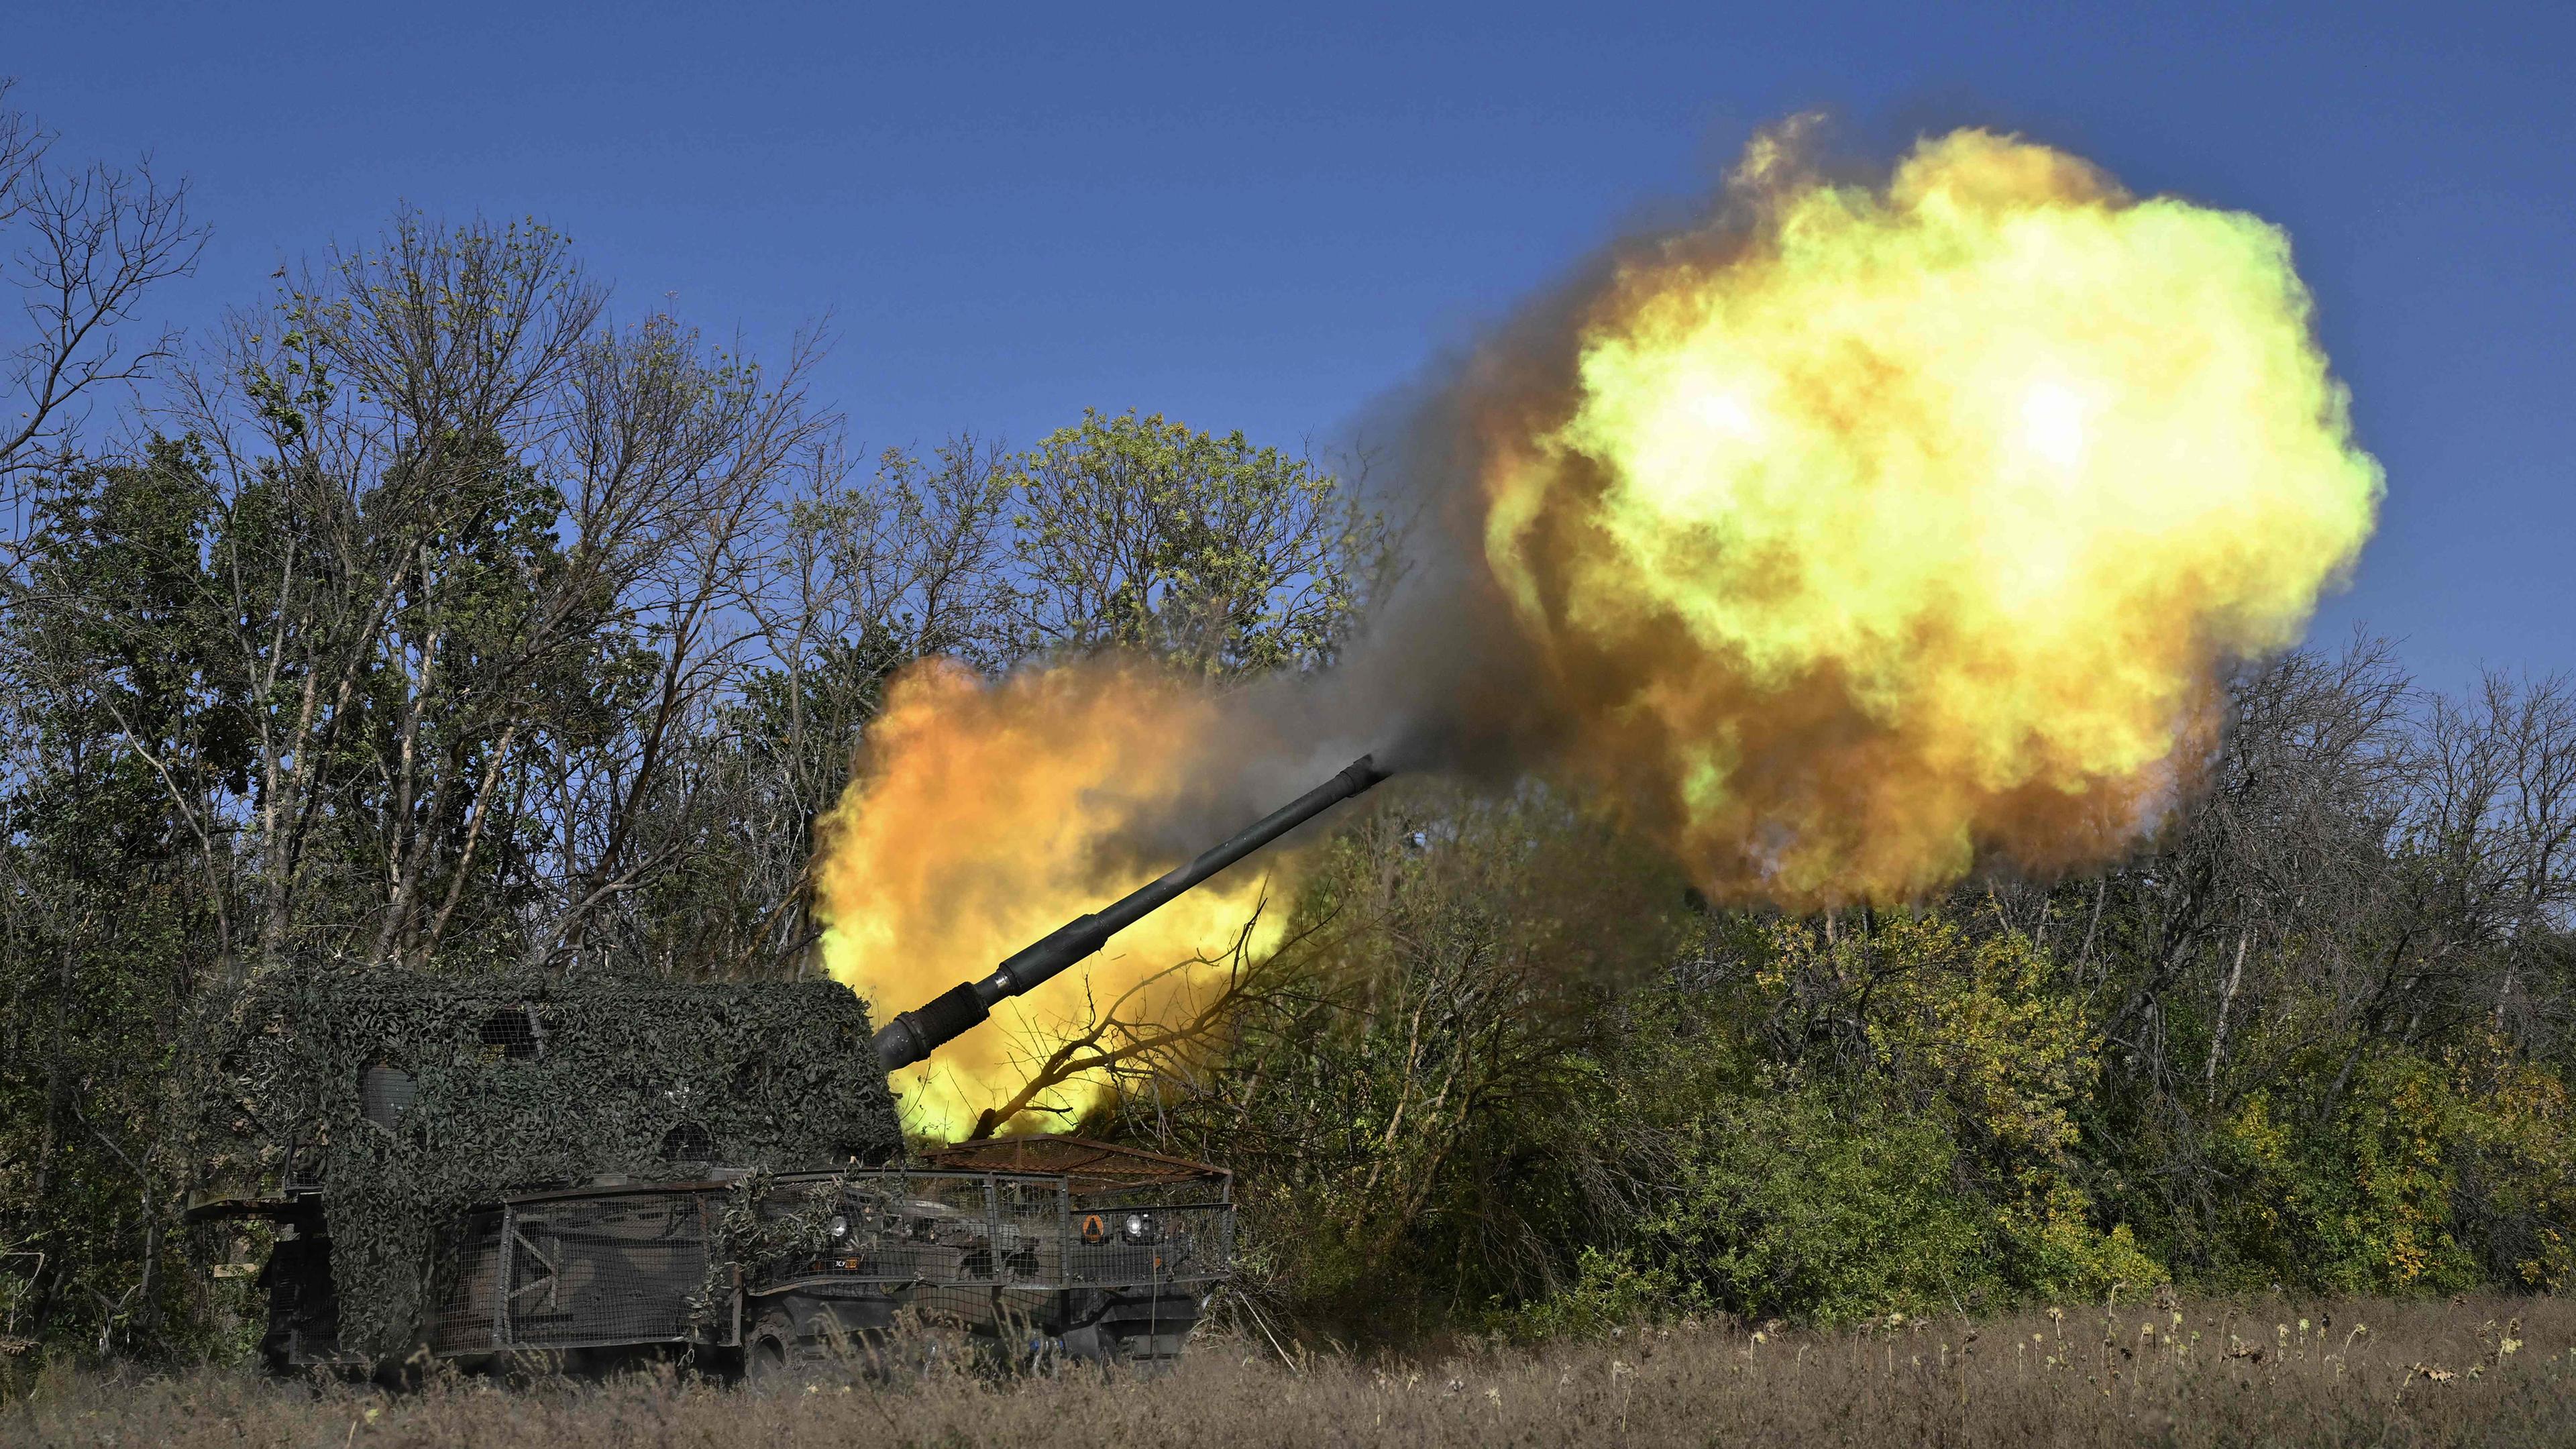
769	1350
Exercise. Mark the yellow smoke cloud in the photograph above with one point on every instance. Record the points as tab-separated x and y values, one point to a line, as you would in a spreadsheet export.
1881	525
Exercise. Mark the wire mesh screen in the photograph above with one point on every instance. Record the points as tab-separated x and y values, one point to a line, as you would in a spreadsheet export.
514	1034
385	1094
688	1142
468	1312
611	1268
632	1266
304	1164
940	1227
1014	1230
1030	1230
1184	1243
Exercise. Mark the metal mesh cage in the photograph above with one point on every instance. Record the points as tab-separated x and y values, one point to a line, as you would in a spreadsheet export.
1011	1230
303	1171
517	1034
1188	1243
624	1267
385	1094
631	1265
688	1142
930	1227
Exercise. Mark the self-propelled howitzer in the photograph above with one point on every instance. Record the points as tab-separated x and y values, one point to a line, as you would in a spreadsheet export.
482	1166
915	1034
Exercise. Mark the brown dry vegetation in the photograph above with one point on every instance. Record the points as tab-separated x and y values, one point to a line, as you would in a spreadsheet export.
2490	1371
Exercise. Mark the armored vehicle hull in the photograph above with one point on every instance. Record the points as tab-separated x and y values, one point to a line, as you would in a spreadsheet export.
1111	1258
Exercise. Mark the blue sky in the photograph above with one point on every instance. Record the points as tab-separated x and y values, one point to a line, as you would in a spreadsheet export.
1265	218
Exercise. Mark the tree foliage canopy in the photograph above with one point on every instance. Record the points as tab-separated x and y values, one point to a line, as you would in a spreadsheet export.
1144	535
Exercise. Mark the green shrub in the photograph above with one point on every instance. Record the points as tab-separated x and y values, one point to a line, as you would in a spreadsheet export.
1792	1205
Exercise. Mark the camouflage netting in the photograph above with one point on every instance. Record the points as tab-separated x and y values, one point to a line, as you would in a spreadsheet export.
517	1081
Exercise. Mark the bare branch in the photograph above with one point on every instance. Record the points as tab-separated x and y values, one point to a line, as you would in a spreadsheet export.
84	244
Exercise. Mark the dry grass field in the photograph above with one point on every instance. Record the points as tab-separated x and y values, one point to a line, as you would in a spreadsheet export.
2274	1371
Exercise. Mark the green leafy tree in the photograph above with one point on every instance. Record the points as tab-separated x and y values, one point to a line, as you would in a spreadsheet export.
117	903
1220	557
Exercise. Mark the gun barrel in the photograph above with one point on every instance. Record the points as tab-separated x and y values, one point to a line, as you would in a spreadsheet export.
915	1034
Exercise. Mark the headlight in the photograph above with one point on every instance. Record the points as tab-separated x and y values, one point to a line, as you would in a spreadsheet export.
1140	1228
838	1227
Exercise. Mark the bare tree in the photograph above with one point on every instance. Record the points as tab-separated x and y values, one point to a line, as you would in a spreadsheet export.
80	245
676	463
853	579
2491	834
